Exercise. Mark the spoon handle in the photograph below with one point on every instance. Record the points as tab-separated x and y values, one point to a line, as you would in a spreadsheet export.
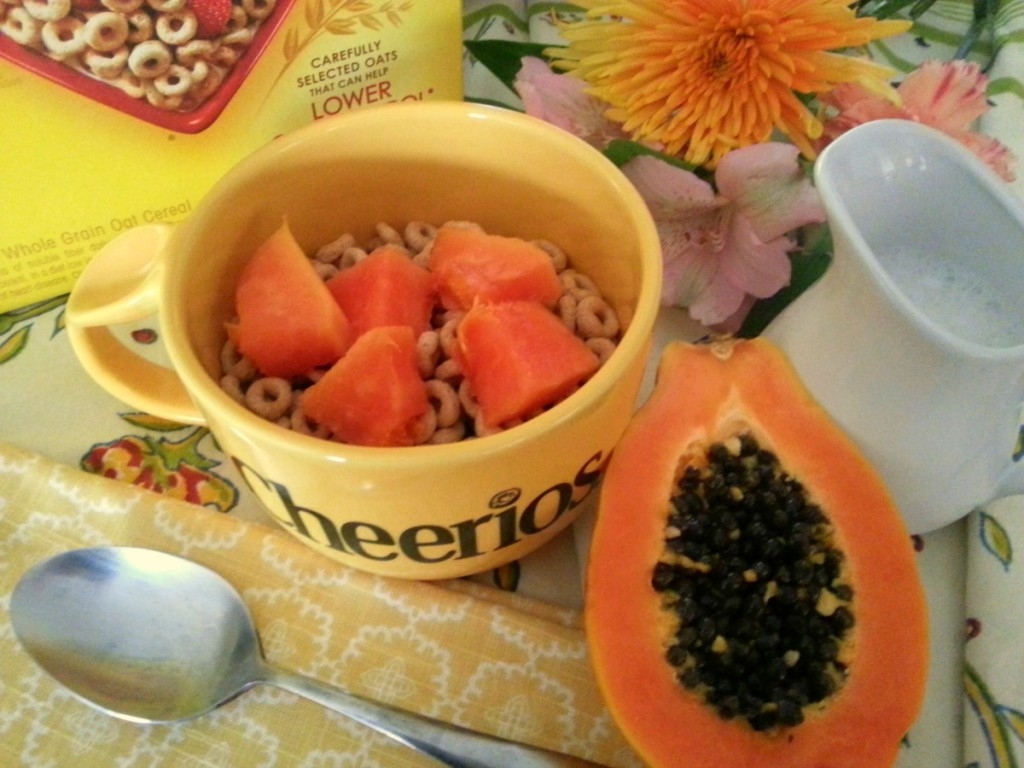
450	744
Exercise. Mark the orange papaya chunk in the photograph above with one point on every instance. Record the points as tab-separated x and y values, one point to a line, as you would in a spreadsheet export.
385	288
471	266
374	395
752	595
288	322
519	357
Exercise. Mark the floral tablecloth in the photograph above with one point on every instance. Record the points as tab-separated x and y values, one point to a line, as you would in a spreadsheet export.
503	652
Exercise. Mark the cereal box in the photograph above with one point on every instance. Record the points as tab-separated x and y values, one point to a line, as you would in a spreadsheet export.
118	113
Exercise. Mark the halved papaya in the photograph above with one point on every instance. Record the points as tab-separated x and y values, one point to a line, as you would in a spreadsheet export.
752	596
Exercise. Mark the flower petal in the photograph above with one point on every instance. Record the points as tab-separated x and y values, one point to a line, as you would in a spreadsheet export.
719	301
854	105
666	188
689	270
948	95
702	77
766	184
997	155
562	101
752	265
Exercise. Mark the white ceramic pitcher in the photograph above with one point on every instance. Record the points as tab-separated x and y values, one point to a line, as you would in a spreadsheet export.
914	338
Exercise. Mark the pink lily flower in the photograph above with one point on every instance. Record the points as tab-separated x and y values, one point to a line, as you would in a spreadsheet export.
723	249
563	101
946	95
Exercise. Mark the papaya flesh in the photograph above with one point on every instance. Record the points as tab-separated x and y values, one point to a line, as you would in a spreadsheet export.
714	648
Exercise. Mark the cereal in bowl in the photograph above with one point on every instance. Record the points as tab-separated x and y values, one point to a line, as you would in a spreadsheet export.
423	335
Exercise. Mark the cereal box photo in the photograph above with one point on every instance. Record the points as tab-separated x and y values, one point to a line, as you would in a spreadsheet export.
175	63
119	113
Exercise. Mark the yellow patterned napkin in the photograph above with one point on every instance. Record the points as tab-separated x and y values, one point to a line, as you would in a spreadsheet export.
455	651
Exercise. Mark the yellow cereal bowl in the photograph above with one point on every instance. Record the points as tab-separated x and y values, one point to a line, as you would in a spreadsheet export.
425	512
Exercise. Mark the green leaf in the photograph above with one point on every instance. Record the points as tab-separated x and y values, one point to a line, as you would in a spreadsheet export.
996	540
13	344
621	151
497	12
504	58
808	265
993	727
1014	720
149	421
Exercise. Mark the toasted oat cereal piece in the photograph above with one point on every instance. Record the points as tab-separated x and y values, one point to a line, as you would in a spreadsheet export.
567	305
64	38
324	270
22	27
351	256
233	387
445	435
239	39
333	250
448	335
445	402
198	71
558	258
149	59
269	397
194	50
224	56
418	235
258	9
166	6
388	234
428	353
106	64
158	100
202	89
576	283
140	27
299	422
47	10
130	84
177	27
239	19
602	347
448	370
122	6
176	81
596	318
106	31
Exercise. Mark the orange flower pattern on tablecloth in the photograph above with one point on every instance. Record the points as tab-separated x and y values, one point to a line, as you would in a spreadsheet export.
176	468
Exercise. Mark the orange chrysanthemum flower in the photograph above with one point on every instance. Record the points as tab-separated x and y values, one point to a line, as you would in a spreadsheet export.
703	77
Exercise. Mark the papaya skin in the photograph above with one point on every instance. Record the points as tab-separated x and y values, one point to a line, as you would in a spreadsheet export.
703	393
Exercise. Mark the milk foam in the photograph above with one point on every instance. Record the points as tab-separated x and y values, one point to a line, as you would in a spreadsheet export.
958	296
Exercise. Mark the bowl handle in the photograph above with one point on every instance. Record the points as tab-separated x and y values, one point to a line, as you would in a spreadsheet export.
121	284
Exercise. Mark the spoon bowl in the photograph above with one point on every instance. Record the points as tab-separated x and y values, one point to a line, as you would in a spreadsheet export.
153	638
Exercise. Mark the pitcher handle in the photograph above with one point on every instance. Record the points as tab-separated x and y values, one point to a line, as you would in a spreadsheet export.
121	284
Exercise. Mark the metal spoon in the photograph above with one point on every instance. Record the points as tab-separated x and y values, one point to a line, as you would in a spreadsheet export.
153	638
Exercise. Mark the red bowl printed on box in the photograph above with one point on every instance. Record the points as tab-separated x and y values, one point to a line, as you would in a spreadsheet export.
143	59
